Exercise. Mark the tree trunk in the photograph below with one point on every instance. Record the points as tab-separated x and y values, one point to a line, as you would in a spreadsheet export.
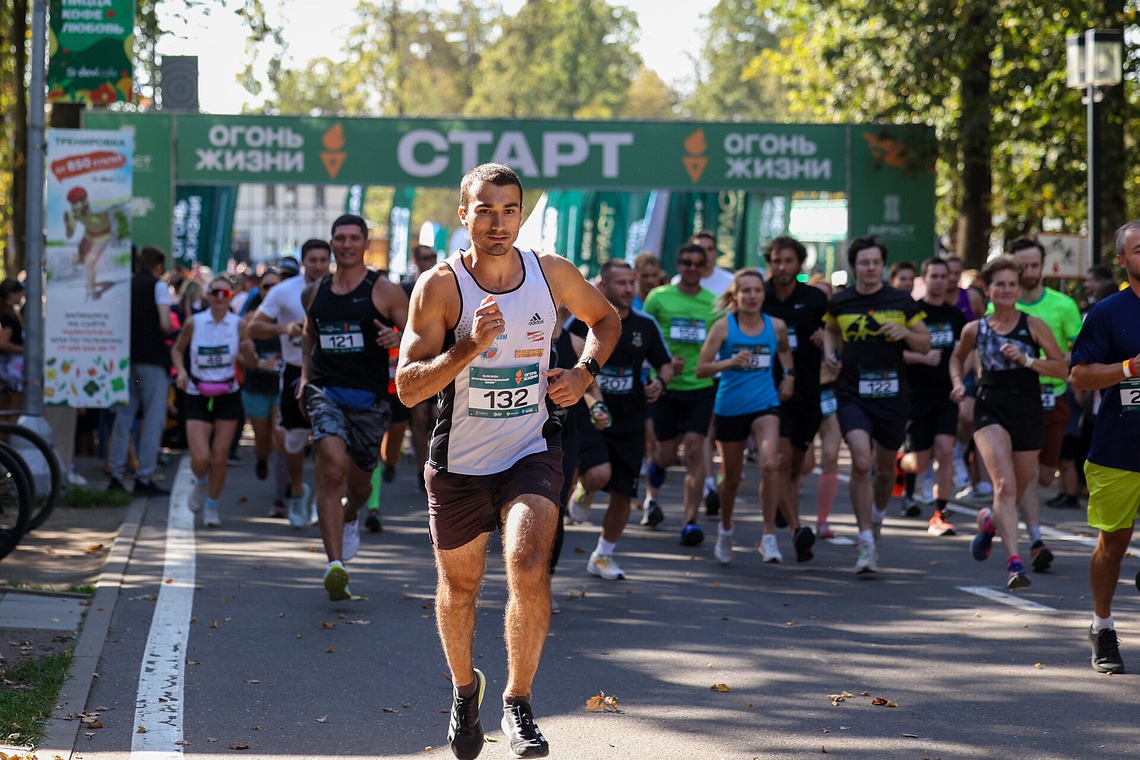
975	141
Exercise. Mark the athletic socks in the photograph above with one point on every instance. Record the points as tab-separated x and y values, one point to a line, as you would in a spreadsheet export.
605	547
866	536
878	515
1099	624
1034	534
910	481
825	494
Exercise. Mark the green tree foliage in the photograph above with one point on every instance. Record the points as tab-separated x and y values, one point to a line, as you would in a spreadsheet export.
559	58
729	85
988	74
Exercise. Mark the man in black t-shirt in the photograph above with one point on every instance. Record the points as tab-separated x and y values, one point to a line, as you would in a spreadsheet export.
868	326
610	454
933	421
344	385
802	308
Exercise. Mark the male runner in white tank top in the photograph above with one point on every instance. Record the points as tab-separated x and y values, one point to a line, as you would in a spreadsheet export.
479	335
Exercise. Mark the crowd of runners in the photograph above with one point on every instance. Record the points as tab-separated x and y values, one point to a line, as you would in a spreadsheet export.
529	390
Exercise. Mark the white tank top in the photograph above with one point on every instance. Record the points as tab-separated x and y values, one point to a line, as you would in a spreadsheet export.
214	348
496	411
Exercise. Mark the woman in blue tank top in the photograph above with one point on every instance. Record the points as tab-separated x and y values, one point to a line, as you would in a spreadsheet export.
743	348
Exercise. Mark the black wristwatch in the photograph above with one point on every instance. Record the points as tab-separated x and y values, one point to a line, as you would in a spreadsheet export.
591	366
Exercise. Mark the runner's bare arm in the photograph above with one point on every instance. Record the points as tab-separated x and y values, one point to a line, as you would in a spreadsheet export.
391	301
1055	363
588	304
425	368
260	326
707	363
1097	377
959	358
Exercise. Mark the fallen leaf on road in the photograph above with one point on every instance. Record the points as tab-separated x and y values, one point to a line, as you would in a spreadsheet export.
864	694
823	750
358	622
253	680
330	650
239	745
193	662
719	687
142	730
602	702
575	594
328	626
213	623
910	736
1038	665
323	719
95	724
387	709
170	580
96	548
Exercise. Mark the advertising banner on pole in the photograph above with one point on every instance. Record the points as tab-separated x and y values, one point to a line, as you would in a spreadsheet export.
88	260
90	50
203	225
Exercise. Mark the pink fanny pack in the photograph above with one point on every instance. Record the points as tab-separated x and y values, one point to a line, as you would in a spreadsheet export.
209	389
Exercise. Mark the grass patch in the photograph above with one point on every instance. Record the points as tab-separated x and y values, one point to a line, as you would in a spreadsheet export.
83	496
27	696
86	588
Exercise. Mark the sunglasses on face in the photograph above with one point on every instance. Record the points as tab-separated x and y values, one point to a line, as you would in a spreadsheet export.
222	293
690	263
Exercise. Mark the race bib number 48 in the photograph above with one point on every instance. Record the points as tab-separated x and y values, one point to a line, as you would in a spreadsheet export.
878	383
213	357
341	337
502	392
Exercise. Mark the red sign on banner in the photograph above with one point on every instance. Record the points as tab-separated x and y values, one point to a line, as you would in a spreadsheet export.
100	160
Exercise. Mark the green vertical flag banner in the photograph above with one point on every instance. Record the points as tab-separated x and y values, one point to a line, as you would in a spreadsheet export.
400	229
90	49
892	180
203	224
354	201
765	217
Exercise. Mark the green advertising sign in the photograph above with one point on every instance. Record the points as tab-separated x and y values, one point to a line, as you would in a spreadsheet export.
90	48
713	169
203	225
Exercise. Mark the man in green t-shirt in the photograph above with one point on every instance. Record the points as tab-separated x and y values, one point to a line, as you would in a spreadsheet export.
685	313
1064	318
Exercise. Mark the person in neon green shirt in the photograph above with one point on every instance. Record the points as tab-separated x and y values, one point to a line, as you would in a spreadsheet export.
685	312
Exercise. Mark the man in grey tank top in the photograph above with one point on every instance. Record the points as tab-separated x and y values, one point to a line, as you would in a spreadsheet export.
479	335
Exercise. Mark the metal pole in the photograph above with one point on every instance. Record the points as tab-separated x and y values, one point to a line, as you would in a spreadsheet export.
34	259
1094	178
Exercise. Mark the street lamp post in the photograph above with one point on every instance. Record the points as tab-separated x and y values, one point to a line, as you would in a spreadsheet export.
1095	62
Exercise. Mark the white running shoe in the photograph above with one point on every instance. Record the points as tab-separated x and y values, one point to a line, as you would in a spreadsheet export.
197	497
297	508
603	566
350	539
74	478
868	561
579	508
723	549
210	518
769	549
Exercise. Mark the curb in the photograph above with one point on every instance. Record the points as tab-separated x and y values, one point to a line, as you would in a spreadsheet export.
62	731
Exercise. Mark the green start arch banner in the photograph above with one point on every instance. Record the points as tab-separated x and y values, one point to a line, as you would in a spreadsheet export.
885	171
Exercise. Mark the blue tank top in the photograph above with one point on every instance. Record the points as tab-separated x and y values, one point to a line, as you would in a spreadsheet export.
744	390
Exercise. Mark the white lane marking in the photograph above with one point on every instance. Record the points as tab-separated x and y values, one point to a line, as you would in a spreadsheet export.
158	704
987	592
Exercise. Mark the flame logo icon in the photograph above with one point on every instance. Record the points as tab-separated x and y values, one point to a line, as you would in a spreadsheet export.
333	155
518	377
696	145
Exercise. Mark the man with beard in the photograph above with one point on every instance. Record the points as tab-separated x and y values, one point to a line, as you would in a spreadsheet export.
1064	318
933	416
802	307
610	459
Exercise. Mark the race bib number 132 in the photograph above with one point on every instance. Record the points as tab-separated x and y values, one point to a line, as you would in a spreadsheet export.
502	392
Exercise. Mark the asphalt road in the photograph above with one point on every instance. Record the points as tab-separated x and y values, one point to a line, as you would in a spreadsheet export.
243	654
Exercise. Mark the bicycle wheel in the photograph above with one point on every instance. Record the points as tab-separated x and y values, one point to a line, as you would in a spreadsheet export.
39	516
16	500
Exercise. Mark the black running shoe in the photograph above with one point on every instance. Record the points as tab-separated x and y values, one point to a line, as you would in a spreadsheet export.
1041	556
465	730
372	523
803	539
910	507
149	488
522	733
712	502
114	484
1105	651
654	515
